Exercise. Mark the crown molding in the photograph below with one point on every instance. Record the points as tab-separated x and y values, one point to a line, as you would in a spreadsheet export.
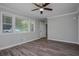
66	14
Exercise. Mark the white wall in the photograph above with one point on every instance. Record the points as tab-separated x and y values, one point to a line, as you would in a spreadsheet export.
8	40
63	28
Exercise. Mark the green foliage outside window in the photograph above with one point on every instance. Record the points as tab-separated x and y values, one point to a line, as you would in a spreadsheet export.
21	25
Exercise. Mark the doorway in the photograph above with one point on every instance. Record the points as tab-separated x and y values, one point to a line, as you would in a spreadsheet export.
43	28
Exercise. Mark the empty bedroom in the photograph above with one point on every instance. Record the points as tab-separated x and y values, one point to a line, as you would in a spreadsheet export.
39	29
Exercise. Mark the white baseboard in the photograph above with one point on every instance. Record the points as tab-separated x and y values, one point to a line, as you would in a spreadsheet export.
33	40
16	44
64	41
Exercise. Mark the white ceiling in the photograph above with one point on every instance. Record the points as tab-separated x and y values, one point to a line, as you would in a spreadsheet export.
58	9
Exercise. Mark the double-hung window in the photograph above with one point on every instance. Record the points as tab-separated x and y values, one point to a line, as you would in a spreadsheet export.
6	23
32	25
11	23
21	25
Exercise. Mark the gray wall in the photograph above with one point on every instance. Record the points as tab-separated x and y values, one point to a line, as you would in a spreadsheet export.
78	28
63	28
12	39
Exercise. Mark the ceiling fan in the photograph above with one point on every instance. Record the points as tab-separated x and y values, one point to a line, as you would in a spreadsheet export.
42	7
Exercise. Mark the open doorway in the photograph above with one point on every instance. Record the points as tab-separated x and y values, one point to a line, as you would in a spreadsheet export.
46	28
43	28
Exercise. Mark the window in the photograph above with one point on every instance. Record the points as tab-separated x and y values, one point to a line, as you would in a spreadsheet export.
13	24
6	23
21	25
32	26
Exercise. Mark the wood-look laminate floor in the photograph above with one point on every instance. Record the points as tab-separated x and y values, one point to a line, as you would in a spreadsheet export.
42	47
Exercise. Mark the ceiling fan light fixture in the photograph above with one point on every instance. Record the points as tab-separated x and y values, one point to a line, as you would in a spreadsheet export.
41	9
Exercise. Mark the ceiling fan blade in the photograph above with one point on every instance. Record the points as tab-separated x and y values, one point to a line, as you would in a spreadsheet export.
35	9
48	9
44	5
37	5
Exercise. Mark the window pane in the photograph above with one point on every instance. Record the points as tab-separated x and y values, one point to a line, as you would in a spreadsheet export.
7	24
21	25
31	27
7	19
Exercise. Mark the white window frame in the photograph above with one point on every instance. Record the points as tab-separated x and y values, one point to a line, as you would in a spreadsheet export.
13	23
23	18
6	14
